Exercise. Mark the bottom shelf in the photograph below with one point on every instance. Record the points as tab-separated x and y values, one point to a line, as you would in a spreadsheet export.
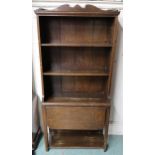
76	138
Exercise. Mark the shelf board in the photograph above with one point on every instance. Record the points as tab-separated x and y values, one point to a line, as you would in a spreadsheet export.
73	73
71	101
77	44
76	139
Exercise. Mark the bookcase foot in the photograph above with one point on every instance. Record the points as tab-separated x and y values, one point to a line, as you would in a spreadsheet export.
106	148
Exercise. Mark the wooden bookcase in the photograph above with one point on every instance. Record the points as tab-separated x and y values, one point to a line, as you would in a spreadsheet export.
77	47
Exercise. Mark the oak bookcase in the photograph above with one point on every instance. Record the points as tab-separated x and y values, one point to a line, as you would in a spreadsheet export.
77	47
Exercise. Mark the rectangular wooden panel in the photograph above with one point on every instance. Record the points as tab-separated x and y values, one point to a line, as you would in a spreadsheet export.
71	30
92	118
82	84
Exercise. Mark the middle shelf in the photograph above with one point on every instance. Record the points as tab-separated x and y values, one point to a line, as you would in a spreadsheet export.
75	73
76	61
57	44
75	86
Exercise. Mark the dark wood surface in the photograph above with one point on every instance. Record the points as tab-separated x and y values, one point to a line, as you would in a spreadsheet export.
76	50
75	86
73	73
73	60
76	139
81	102
88	31
112	53
67	117
59	44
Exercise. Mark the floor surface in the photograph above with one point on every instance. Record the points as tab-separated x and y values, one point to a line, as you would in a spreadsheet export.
115	148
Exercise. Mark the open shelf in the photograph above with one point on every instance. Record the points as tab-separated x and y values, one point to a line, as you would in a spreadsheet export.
70	31
76	138
76	61
73	73
57	44
75	86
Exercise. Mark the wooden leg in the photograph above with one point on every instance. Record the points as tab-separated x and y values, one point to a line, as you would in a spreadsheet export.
106	130
45	127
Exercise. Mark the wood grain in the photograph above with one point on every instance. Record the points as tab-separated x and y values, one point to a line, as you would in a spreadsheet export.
81	102
76	139
75	86
112	54
71	60
71	73
76	50
58	44
76	32
75	117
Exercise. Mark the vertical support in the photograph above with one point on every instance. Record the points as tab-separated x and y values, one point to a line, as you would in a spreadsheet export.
106	129
112	53
45	127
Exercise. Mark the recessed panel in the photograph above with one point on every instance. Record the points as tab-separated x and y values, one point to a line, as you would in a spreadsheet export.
76	30
76	59
83	87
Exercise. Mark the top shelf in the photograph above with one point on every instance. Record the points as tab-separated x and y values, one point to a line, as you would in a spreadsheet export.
76	44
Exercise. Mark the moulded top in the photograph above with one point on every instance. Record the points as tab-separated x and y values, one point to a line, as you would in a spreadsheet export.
87	11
